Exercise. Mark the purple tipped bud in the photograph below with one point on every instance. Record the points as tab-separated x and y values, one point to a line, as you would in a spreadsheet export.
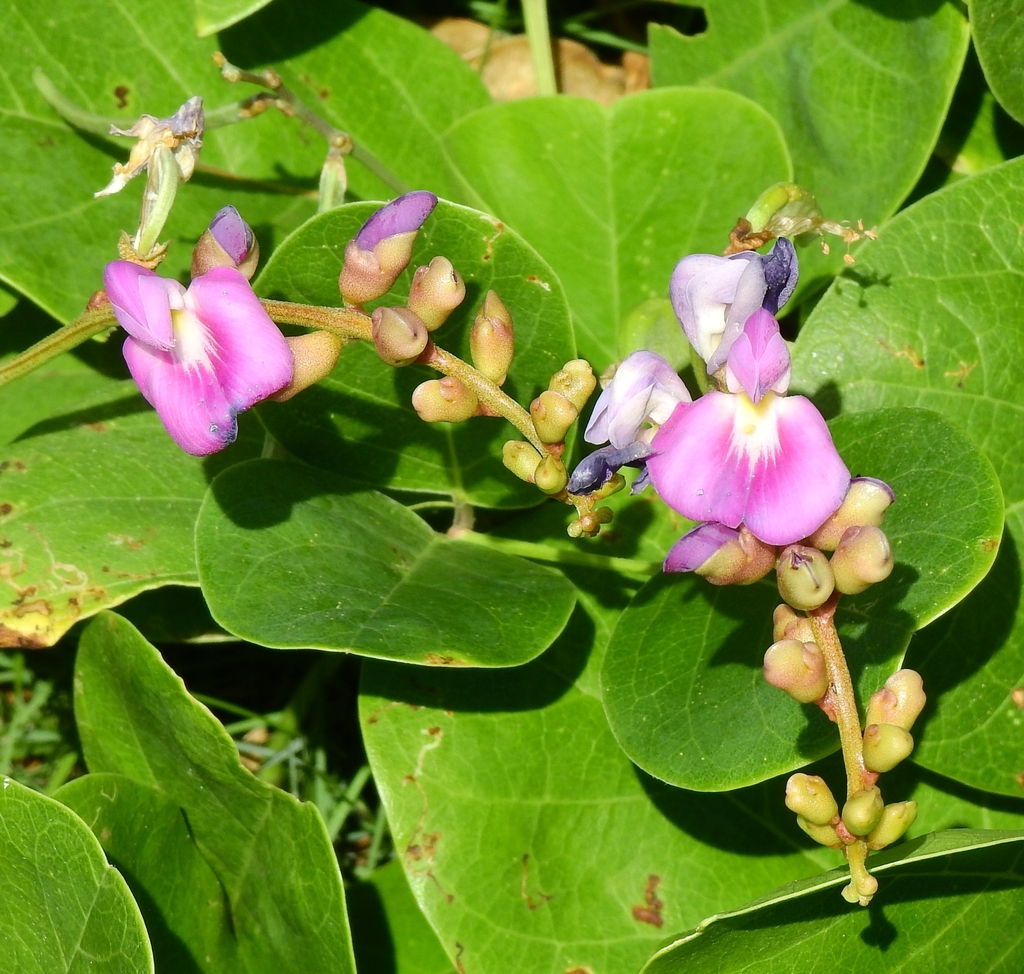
866	502
228	242
723	555
796	668
863	811
809	796
893	824
759	359
781	272
404	215
313	358
899	702
863	558
399	336
444	400
437	290
805	577
885	745
552	415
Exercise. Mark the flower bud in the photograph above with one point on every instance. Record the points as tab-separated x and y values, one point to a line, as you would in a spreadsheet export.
862	558
723	555
885	745
899	702
550	475
398	335
797	668
804	577
436	291
575	380
552	416
866	502
895	821
313	357
383	247
825	835
444	400
788	625
863	811
492	339
521	458
227	242
811	798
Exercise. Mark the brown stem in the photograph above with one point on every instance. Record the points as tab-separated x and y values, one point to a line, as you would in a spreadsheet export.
87	324
346	322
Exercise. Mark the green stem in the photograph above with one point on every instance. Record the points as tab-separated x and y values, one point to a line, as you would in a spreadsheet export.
373	855
162	177
86	325
535	13
346	322
341	811
542	552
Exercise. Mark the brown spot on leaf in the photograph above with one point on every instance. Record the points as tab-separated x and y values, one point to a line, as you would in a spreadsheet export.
1020	777
1017	696
436	659
12	639
522	886
46	142
104	835
39	605
534	279
121	94
96	427
650	912
961	373
323	94
5	542
578	970
988	545
906	352
6	509
459	950
375	714
132	575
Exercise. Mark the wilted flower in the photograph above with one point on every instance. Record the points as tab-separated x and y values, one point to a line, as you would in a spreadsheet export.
200	356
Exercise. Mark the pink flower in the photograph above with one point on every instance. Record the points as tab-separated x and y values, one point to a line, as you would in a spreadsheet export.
200	356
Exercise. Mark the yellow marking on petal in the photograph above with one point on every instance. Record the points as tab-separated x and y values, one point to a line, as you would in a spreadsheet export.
755	430
193	343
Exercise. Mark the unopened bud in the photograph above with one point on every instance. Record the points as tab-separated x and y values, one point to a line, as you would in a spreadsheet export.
866	502
444	400
862	558
899	702
521	458
825	835
797	668
313	357
227	242
786	624
398	335
575	380
552	416
893	824
804	576
885	745
436	291
722	555
811	798
492	339
550	475
863	811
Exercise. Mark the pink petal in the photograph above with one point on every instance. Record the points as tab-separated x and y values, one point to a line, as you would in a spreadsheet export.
402	215
142	301
793	493
759	359
697	546
251	359
189	403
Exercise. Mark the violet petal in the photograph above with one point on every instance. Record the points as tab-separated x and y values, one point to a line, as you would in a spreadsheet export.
781	272
697	546
232	233
595	470
402	215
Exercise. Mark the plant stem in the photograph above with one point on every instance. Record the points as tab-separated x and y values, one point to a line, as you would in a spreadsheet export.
535	13
86	325
346	322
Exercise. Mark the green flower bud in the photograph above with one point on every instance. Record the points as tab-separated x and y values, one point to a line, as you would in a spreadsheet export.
313	357
436	291
444	400
895	821
865	503
552	416
521	458
550	475
811	798
885	745
788	625
804	577
575	380
797	668
825	835
863	811
899	702
862	558
492	339
398	335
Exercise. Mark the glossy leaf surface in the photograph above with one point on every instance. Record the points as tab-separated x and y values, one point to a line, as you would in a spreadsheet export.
998	30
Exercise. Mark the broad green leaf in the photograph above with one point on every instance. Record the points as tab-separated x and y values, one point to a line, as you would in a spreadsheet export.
270	853
63	908
360	420
100	506
364	574
390	934
930	316
147	837
960	892
860	91
215	15
682	682
612	198
998	29
531	842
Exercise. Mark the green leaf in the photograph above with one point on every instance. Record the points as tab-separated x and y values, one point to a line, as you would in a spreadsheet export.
998	30
62	907
360	420
612	198
147	837
973	922
930	316
531	842
364	574
270	853
859	90
97	510
682	680
389	932
215	15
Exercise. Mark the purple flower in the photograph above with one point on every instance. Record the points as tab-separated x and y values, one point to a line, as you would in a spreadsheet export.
403	215
232	233
754	457
695	547
200	356
645	388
